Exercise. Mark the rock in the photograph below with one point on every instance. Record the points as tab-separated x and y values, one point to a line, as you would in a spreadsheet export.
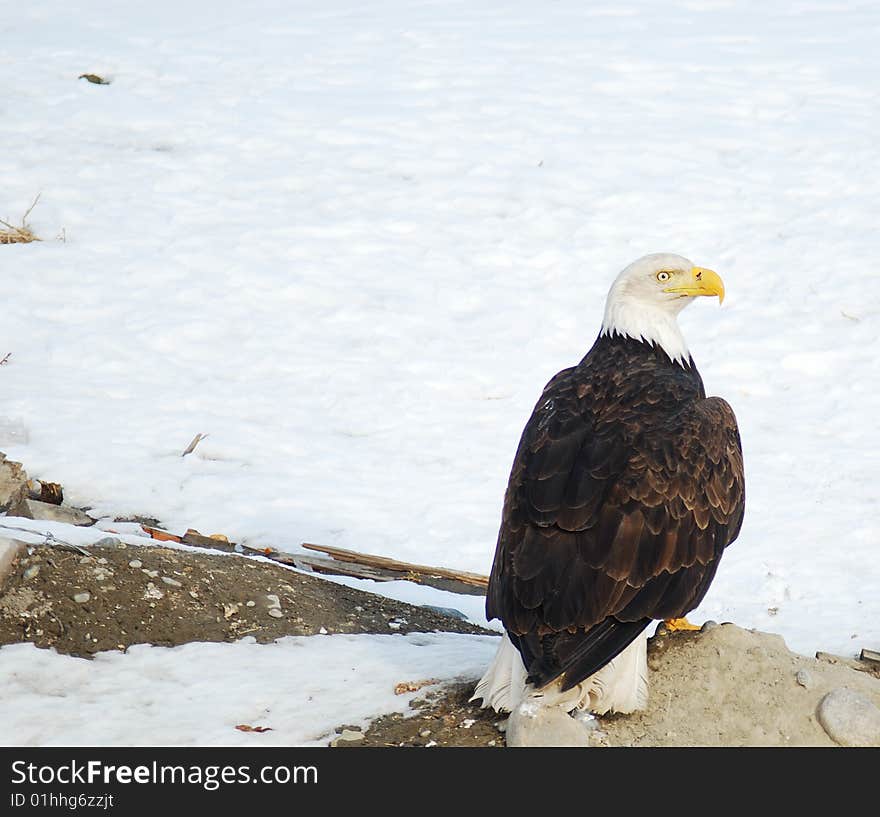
274	601
107	542
451	612
13	488
82	598
153	592
47	512
804	678
136	563
10	550
172	582
30	572
708	625
531	724
275	612
849	718
348	736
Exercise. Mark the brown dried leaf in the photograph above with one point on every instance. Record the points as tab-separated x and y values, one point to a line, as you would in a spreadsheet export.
243	727
413	686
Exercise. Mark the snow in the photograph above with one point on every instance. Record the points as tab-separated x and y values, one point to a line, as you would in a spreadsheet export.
196	694
350	243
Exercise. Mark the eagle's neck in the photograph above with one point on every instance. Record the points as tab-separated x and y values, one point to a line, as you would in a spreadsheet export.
646	323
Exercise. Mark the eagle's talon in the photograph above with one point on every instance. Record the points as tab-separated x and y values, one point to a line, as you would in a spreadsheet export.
676	625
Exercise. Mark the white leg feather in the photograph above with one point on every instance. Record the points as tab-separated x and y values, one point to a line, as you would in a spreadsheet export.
502	685
620	686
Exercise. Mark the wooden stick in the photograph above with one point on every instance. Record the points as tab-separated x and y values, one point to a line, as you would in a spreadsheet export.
192	446
378	574
343	563
421	571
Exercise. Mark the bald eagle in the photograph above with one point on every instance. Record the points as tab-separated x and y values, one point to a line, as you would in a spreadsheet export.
626	488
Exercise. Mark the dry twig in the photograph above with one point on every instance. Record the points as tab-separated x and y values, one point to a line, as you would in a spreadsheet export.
19	235
192	446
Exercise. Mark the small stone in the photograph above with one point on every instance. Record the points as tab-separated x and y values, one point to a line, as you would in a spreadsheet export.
102	560
323	631
135	563
804	678
394	625
708	625
106	542
153	592
82	598
348	736
275	613
425	733
153	574
450	612
251	604
274	601
193	594
31	572
850	718
47	512
172	582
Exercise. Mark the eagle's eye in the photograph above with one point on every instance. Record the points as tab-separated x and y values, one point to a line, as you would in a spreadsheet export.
662	276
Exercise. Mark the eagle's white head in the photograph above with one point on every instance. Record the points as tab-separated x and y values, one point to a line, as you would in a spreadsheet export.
646	297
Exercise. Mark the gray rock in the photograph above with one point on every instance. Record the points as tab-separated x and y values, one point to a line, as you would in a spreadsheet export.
275	613
451	612
849	718
82	598
708	625
57	513
107	542
172	582
348	736
30	572
804	678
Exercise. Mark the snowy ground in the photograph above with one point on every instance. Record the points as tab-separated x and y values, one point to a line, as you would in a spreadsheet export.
352	242
196	694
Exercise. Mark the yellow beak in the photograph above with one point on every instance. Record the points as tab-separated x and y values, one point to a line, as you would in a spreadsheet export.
703	282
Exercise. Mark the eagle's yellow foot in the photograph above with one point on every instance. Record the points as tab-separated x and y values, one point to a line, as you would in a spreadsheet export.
674	625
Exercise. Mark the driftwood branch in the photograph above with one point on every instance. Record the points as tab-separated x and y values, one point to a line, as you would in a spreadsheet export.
405	570
342	563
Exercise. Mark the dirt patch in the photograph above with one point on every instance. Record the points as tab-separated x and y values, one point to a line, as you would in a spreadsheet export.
443	717
118	595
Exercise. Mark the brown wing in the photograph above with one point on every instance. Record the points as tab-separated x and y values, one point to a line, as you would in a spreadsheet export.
617	512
